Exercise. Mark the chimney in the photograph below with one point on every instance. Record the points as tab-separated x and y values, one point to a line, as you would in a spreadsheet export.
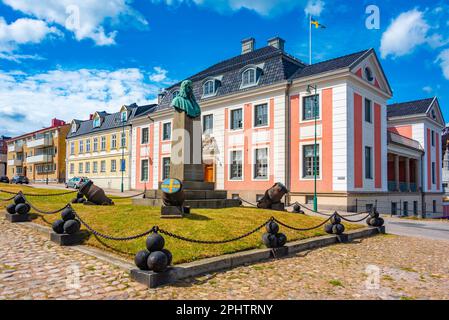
56	122
277	43
91	116
248	45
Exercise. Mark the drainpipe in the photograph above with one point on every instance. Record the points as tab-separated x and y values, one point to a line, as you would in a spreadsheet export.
422	187
287	140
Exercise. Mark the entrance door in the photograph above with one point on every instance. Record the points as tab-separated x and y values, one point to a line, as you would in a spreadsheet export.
209	174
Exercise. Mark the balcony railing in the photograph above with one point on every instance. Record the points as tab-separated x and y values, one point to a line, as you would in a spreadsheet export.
42	158
15	148
40	143
14	162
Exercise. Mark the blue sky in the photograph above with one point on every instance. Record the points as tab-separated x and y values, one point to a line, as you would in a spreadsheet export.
66	58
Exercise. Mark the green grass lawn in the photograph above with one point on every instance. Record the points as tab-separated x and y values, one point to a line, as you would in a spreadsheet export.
124	219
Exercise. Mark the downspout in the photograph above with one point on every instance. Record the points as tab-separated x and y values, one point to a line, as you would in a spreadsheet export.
287	140
423	215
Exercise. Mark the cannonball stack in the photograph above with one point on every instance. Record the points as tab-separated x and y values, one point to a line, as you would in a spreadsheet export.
297	209
155	258
374	219
335	226
19	206
68	224
79	198
272	238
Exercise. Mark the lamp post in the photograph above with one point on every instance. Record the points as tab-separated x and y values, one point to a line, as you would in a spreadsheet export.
122	145
315	100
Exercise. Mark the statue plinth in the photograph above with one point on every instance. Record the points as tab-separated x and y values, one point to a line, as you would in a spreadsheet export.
187	152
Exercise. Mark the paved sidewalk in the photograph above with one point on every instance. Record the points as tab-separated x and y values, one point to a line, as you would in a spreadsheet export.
31	267
111	192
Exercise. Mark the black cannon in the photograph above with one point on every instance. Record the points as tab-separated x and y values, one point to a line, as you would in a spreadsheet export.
94	194
272	197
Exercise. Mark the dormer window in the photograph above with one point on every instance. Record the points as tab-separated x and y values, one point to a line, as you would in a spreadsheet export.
369	74
124	116
249	77
74	127
97	122
209	88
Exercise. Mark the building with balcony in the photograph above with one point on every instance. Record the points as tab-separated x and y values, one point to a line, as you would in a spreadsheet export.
39	155
3	155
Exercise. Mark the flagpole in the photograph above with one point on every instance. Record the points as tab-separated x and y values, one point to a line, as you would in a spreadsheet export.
310	39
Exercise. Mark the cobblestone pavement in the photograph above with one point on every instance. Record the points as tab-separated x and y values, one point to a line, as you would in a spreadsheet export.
31	267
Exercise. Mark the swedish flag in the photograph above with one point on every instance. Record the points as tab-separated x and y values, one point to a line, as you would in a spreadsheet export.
317	24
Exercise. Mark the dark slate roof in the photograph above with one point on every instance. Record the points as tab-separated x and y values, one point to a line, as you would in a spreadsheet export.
278	66
329	65
409	108
111	121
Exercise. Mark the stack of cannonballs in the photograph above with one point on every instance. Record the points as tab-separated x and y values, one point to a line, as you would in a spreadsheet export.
155	258
272	238
19	206
297	209
68	224
374	220
335	226
79	198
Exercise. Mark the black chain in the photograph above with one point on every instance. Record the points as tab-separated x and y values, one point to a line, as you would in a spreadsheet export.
46	212
40	195
344	218
127	197
252	204
9	199
326	214
102	235
214	241
303	229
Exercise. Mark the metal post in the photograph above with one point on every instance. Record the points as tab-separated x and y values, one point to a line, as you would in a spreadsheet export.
310	39
315	200
123	155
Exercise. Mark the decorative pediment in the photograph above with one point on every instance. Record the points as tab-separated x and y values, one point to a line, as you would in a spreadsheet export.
434	112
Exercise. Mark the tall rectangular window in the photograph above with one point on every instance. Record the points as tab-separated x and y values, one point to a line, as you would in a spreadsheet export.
308	161
165	168
80	168
87	145
72	148
144	170
114	141
261	115
166	131
236	165
103	143
236	119
103	166
145	136
368	111
261	164
81	146
123	140
433	172
87	167
208	123
113	165
433	138
95	169
72	168
95	144
368	163
309	105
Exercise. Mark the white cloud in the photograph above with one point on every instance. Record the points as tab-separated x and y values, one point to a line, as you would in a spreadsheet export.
406	32
262	7
25	30
67	94
427	89
159	74
85	19
314	8
443	60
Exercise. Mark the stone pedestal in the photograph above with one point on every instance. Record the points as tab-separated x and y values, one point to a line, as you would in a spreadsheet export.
14	218
186	161
67	239
174	212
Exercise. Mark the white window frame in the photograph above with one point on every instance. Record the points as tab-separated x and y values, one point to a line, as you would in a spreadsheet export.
72	148
80	168
171	131
230	118
300	160
103	166
230	161
95	167
95	145
72	168
142	142
123	136
114	141
103	142
148	171
96	122
253	164
268	114
113	167
213	124
214	89
256	80
124	116
162	166
301	107
371	110
371	164
74	127
87	167
80	146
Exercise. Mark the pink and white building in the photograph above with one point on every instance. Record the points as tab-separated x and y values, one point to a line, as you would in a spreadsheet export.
259	128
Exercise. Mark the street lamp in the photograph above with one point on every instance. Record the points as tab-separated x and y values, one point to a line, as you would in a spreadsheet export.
315	109
122	145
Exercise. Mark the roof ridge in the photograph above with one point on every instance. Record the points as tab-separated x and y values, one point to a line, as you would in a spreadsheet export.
341	57
411	101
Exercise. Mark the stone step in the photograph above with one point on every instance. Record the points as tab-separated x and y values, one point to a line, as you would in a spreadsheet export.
192	194
196	185
205	203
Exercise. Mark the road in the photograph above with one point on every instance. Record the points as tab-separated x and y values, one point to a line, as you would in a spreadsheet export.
430	229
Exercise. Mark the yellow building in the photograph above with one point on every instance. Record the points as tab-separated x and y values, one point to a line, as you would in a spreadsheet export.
100	148
39	155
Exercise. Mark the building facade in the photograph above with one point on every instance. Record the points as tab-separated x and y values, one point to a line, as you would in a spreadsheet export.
3	155
261	112
39	155
100	148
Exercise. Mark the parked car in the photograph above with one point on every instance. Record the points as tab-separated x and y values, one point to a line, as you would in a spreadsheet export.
4	179
20	180
76	182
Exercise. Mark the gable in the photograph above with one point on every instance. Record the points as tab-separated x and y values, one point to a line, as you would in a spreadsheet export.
434	112
370	70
